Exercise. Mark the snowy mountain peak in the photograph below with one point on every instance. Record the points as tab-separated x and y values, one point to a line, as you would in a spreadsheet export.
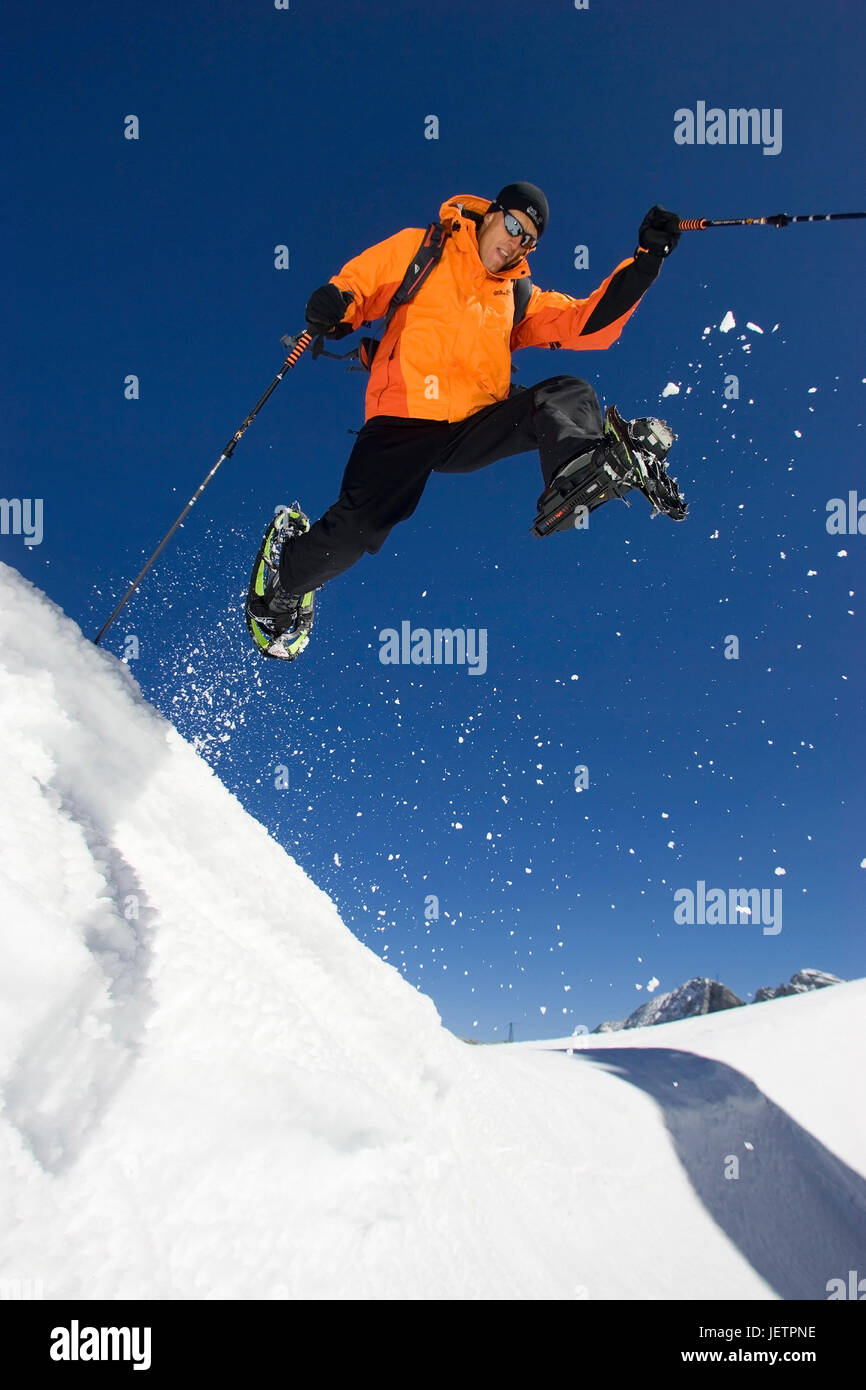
698	996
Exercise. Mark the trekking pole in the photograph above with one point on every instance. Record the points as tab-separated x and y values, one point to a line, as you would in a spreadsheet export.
780	219
298	346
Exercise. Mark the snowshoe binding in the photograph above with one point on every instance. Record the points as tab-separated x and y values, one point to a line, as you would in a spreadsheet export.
631	456
279	623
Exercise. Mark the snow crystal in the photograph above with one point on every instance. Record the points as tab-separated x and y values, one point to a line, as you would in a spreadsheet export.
671	389
754	327
728	322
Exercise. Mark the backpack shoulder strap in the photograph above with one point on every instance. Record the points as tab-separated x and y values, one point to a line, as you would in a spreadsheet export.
427	256
522	293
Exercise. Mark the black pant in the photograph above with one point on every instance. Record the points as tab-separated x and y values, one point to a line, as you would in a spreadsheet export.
393	457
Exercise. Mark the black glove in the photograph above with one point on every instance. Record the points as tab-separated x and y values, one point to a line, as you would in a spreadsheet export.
659	232
325	310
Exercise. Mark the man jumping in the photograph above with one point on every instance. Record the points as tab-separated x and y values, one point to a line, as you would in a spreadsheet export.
440	398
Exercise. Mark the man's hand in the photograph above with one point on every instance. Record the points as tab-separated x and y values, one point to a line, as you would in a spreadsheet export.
325	309
659	232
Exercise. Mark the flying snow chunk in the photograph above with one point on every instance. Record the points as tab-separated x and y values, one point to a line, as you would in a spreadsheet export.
780	872
798	433
337	860
754	327
863	863
671	389
652	984
728	322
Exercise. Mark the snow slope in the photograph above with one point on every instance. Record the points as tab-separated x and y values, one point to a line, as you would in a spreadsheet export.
211	1089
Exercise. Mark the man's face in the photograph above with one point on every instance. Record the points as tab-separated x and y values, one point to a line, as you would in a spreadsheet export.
498	250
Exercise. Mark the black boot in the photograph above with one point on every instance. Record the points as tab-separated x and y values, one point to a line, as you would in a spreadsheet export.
631	456
278	607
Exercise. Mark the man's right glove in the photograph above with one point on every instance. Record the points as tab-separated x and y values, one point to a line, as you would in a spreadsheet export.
325	309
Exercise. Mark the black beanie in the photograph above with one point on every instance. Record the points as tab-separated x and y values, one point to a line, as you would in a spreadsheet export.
527	198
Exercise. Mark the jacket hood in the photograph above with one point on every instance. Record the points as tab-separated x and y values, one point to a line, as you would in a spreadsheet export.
464	230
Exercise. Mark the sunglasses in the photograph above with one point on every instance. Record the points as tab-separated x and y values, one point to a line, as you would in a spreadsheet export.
515	228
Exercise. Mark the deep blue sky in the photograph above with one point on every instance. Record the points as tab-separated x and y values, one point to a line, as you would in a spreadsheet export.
306	127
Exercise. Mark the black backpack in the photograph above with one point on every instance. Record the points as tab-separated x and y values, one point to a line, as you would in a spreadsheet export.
427	256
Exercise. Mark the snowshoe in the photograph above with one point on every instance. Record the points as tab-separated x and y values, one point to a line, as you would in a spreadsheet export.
630	457
646	442
279	624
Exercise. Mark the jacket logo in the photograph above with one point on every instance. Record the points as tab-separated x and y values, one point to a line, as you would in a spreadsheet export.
500	291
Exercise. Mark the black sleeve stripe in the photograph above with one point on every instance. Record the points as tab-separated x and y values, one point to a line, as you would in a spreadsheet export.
623	292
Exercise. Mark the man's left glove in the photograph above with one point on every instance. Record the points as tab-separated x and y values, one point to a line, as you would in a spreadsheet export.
659	232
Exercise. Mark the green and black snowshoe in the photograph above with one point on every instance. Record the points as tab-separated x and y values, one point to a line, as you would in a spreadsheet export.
632	456
279	624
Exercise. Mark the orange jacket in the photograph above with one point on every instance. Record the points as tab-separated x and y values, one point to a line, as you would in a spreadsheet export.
447	353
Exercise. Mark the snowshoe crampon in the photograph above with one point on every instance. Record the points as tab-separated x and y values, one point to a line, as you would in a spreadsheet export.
631	457
282	635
